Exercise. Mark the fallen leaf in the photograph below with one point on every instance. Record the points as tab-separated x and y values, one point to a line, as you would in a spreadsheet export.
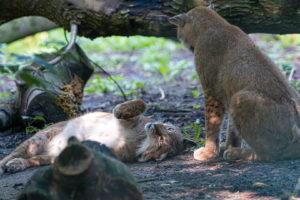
259	185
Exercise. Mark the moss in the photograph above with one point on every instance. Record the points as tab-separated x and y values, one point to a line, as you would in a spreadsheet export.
71	97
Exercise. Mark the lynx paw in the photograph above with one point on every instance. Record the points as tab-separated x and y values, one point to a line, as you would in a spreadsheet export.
203	154
239	154
16	165
223	148
129	109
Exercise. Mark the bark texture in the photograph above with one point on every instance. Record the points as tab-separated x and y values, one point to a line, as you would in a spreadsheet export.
264	16
143	17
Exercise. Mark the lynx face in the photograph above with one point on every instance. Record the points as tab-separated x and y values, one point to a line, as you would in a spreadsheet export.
162	140
185	30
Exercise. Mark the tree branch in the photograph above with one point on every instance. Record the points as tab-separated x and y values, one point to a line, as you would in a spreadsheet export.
143	17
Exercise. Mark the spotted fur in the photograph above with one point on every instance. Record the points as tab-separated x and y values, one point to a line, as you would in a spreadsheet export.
129	134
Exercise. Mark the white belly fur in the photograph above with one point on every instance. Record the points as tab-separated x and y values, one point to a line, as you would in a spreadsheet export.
92	126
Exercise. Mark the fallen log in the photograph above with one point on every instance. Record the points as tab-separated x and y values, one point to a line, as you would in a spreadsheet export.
140	17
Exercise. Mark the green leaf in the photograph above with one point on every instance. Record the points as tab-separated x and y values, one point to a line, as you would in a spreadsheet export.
44	63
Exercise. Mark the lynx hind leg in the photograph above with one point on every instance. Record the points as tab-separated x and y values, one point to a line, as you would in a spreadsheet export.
27	149
264	124
236	153
129	109
232	138
20	164
32	146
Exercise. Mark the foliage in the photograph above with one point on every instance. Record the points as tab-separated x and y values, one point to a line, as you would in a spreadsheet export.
100	86
194	127
196	106
277	46
33	123
4	95
155	52
290	40
127	44
154	56
196	93
296	85
159	61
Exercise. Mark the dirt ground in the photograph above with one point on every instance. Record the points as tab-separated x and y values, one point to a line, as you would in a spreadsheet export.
180	177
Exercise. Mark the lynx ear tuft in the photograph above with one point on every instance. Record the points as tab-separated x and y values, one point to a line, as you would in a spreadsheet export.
178	20
211	6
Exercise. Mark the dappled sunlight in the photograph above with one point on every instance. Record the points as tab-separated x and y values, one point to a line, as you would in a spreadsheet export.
220	193
183	177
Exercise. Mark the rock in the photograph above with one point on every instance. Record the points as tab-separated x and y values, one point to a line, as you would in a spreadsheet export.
81	173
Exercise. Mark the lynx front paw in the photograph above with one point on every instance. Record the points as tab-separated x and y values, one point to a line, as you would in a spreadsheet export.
16	165
204	154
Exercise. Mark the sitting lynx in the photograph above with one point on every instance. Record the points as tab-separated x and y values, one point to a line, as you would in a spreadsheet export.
130	135
238	78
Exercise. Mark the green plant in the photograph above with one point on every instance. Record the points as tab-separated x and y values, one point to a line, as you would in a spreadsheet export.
158	61
193	127
112	61
289	40
196	93
286	68
100	86
295	85
283	40
134	87
196	106
33	123
3	94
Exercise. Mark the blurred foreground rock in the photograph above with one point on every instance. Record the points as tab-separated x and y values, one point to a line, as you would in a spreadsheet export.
81	173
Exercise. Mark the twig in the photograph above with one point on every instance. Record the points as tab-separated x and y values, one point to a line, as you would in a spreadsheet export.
162	97
110	76
291	74
171	110
147	180
69	46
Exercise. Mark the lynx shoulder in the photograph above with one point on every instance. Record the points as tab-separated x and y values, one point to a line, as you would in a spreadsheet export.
129	134
239	79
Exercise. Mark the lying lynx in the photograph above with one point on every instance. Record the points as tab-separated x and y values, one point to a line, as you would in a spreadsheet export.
126	132
237	77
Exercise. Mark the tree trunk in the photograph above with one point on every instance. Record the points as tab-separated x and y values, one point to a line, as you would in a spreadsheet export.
52	93
20	28
141	17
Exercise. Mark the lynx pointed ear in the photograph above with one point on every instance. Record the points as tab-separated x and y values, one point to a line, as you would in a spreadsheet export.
211	6
188	143
178	20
